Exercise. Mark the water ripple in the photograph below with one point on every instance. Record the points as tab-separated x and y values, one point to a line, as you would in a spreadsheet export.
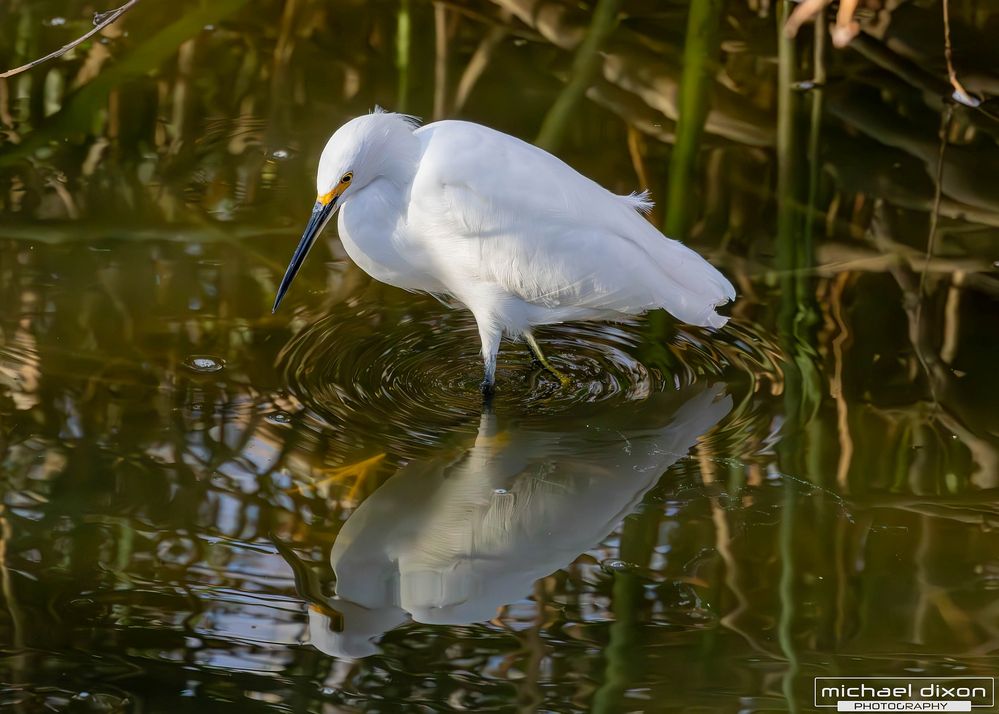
411	375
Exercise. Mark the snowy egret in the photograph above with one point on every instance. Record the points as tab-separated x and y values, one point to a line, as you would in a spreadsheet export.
504	228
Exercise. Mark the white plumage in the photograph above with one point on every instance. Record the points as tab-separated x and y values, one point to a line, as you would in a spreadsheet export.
508	230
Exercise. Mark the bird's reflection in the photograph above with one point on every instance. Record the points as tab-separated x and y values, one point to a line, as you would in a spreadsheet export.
449	541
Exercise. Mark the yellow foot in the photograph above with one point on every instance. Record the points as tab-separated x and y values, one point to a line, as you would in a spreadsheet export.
562	378
358	471
540	357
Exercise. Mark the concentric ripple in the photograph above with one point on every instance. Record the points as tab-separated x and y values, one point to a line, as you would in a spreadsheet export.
410	376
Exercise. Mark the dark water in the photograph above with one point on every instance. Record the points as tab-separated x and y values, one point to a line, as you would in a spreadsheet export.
209	507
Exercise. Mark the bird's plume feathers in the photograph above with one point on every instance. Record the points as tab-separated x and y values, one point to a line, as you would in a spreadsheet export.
413	121
640	201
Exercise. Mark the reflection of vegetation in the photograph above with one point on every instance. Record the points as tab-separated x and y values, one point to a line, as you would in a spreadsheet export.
624	665
147	182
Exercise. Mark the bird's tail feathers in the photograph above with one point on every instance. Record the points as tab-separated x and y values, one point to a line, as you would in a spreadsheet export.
691	288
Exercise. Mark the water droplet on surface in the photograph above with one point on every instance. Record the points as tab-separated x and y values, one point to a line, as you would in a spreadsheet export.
206	364
98	702
613	565
965	99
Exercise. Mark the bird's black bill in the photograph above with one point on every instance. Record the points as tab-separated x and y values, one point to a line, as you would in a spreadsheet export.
320	214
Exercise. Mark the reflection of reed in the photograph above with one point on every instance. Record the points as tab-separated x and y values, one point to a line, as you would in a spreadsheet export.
11	599
724	546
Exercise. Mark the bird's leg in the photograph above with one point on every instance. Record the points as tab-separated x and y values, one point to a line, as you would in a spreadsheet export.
540	356
490	338
488	387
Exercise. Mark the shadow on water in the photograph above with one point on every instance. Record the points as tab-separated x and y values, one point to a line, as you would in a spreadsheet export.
207	507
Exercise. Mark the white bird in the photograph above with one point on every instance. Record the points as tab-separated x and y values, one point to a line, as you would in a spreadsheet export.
504	228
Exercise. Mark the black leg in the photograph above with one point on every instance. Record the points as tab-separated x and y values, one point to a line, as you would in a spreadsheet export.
488	390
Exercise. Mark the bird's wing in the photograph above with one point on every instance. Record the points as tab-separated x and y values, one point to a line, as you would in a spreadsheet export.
509	214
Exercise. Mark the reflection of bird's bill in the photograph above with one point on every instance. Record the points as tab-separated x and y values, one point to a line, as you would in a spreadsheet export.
328	634
321	213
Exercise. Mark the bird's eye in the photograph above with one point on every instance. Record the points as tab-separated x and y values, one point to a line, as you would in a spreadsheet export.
347	178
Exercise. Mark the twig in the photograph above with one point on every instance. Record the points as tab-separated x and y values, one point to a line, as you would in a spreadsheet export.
102	20
935	214
960	93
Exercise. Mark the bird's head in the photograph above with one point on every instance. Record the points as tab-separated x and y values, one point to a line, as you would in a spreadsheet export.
377	145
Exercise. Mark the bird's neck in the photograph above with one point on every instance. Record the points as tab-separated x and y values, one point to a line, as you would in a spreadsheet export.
399	157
